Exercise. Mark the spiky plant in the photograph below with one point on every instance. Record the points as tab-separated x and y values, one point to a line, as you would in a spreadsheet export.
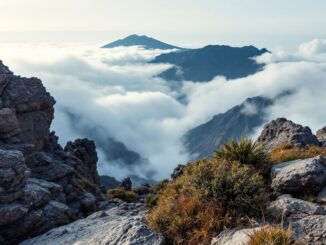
245	151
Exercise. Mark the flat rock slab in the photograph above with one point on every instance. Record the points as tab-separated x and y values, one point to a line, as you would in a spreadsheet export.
119	223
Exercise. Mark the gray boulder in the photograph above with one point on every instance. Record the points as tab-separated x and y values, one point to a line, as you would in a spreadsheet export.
282	131
115	225
299	176
310	230
288	207
234	237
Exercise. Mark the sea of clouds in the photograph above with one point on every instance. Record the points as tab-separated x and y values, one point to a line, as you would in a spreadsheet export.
115	93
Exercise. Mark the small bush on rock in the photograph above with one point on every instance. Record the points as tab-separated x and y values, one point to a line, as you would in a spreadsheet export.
210	196
127	196
244	151
271	235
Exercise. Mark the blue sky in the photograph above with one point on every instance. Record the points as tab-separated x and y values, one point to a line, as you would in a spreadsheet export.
271	24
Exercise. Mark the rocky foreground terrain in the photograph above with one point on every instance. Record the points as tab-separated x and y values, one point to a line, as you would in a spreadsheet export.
50	194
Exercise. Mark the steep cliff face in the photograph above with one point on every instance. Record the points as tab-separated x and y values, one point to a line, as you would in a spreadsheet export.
42	185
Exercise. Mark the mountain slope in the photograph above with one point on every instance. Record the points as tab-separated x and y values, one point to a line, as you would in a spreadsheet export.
240	121
214	60
136	40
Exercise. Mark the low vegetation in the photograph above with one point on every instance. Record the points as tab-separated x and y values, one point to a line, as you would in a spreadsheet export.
128	196
272	235
228	190
288	152
210	196
244	151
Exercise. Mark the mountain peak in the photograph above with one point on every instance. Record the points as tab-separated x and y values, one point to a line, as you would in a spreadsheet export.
140	40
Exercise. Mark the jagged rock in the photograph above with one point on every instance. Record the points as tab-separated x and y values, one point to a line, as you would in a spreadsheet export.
311	230
234	237
85	150
126	184
33	106
178	171
288	207
55	214
30	157
39	192
45	166
13	171
116	225
297	176
321	198
321	136
11	212
9	125
282	131
143	189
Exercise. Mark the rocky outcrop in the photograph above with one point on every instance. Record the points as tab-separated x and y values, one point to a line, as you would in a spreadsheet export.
299	176
42	185
233	237
178	171
321	136
85	151
307	220
117	223
286	206
282	131
126	184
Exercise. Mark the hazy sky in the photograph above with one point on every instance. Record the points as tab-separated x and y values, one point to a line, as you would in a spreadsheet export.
284	23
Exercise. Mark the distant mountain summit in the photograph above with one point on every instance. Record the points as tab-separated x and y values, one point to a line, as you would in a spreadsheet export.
203	64
136	40
238	122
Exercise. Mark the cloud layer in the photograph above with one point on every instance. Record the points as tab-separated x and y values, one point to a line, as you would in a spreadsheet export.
116	91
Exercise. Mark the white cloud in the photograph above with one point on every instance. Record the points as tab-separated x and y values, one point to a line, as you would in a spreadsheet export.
115	91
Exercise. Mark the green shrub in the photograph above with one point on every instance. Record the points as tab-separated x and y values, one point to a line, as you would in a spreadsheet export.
127	196
211	195
244	151
152	199
271	235
239	187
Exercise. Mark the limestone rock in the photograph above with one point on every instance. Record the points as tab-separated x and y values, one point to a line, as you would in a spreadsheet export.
287	207
104	227
282	131
297	176
234	237
311	229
